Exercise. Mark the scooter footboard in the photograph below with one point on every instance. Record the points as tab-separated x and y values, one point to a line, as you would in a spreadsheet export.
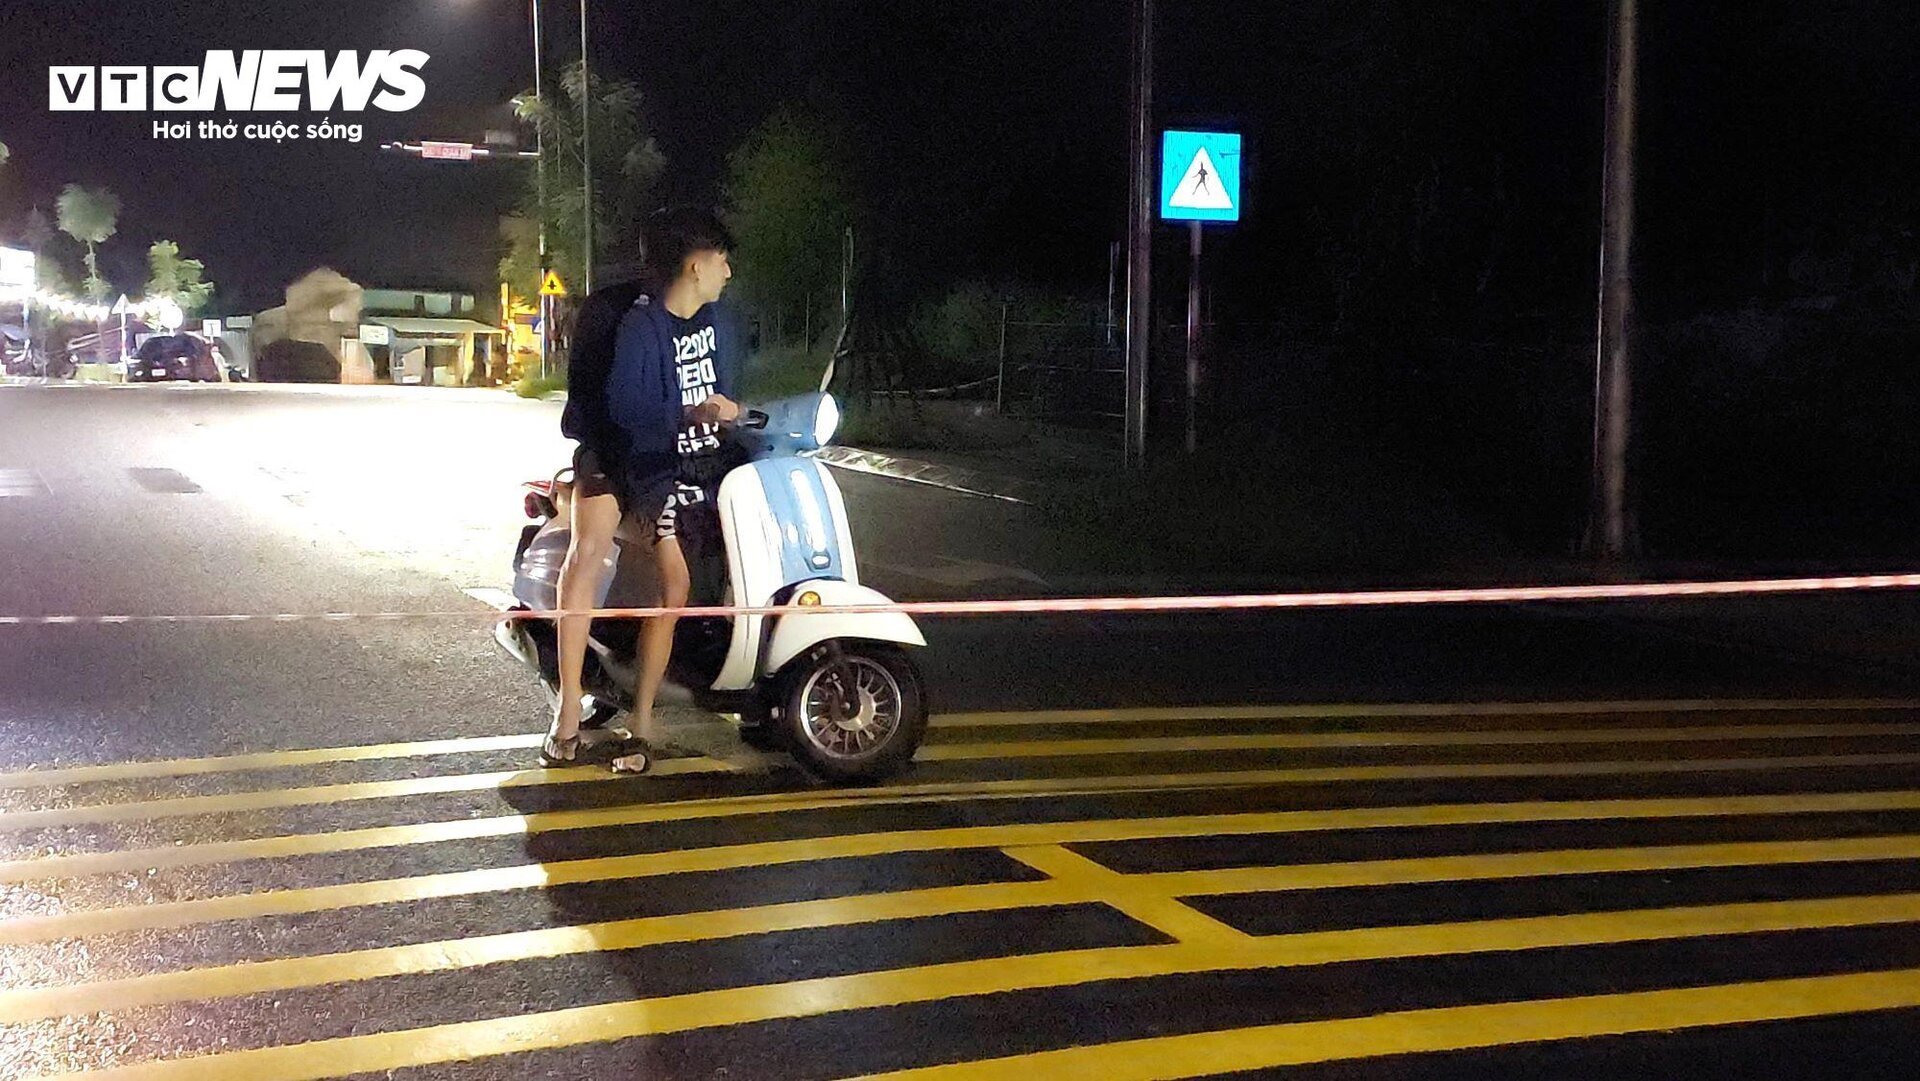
794	635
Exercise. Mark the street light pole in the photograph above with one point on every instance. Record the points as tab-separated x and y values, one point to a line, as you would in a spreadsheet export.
540	149
586	147
1612	392
1139	235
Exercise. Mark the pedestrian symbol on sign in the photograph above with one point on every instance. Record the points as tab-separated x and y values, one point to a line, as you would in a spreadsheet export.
1200	176
1200	188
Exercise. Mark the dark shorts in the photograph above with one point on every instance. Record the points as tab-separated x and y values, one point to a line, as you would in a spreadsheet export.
592	477
681	508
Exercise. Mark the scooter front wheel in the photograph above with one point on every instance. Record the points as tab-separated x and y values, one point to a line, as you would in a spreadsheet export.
854	713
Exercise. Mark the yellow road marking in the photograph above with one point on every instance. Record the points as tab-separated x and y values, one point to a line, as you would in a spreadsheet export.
187	855
283	974
185	767
1408	709
1155	908
1456	1028
1499	865
248	801
1064	748
1148	898
379	1052
25	929
266	760
277	798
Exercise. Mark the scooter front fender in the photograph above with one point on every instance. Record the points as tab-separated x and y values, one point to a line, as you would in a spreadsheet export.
794	635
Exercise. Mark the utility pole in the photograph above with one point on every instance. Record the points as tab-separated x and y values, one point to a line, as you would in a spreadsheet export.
1609	532
540	151
1139	235
586	149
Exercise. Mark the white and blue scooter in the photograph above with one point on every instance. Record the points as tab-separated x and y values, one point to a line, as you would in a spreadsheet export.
839	691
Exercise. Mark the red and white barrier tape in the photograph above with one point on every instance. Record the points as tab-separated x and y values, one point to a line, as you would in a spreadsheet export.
1385	598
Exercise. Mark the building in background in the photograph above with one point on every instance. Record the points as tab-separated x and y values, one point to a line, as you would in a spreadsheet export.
334	330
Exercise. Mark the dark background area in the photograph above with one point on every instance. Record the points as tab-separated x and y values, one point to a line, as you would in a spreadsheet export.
1418	266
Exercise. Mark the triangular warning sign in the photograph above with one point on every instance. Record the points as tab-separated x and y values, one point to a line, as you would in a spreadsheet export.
1201	188
552	287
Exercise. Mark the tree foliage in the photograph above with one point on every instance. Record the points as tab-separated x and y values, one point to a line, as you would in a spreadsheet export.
177	279
626	164
788	205
90	216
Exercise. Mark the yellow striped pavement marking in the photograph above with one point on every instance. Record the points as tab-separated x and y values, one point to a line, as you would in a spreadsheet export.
1147	897
1363	711
271	799
1504	865
250	800
186	855
460	1041
280	798
1063	748
1455	1028
264	760
26	929
268	760
285	974
1156	908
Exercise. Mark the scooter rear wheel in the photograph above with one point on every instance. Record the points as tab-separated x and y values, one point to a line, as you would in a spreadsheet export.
856	713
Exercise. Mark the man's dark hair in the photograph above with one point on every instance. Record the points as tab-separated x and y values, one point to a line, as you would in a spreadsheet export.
675	235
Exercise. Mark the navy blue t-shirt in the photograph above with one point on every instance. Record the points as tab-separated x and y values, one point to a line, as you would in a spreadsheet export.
695	375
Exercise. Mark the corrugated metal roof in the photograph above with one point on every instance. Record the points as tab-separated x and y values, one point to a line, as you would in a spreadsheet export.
418	328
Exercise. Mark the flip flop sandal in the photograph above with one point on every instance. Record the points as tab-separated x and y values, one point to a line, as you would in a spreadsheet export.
556	752
637	759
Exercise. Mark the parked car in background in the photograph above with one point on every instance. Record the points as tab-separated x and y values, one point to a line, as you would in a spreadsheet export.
186	357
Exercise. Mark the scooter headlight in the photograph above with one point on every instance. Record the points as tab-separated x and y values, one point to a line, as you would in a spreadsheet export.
826	421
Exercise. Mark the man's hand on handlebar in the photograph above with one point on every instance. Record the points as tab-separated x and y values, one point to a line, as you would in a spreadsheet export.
717	409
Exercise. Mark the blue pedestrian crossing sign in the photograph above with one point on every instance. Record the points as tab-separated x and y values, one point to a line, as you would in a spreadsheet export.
1200	176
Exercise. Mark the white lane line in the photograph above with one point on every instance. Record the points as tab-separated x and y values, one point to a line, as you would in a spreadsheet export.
22	482
497	599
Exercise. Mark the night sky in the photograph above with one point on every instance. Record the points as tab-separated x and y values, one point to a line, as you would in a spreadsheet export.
991	133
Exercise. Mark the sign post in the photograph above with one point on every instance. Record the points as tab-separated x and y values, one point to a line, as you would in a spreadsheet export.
550	288
120	309
1199	182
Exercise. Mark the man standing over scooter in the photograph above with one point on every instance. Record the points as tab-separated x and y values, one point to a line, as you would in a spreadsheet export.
600	497
617	477
674	373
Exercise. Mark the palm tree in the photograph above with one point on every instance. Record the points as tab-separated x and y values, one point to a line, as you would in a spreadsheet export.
179	280
90	216
626	164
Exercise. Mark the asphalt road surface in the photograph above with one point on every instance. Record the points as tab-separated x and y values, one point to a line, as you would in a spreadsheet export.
1636	840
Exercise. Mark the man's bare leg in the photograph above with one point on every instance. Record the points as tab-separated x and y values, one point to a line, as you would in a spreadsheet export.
594	521
656	640
657	648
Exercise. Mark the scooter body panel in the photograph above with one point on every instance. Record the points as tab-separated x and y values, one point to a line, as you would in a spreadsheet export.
536	574
794	635
783	522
